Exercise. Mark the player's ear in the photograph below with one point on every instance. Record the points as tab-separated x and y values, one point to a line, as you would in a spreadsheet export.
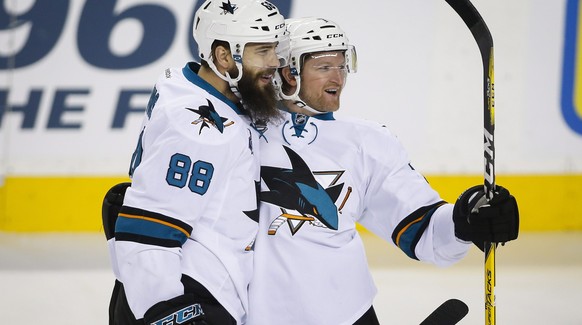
222	58
289	78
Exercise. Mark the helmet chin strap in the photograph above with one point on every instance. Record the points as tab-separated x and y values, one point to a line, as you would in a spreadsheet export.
295	97
302	104
232	82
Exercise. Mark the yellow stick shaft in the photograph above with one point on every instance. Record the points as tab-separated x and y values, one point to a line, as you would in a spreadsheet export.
490	284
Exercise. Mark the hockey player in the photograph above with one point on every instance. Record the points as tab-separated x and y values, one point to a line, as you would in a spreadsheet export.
322	174
182	243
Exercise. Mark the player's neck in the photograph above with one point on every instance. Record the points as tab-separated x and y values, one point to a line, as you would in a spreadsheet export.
215	81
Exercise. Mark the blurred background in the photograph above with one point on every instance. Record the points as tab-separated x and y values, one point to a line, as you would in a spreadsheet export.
75	77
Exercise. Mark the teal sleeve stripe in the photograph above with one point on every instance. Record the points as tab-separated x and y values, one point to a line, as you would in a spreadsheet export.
410	237
141	228
410	230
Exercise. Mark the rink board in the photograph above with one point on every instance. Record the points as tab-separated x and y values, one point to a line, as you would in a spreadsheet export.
63	204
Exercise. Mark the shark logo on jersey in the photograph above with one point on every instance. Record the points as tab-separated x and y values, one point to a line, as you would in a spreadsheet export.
254	215
297	189
209	116
228	7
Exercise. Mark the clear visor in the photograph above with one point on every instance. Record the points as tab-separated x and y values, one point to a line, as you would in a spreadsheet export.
283	51
351	59
325	64
266	55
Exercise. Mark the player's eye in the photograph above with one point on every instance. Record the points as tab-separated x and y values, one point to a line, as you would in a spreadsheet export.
325	69
265	50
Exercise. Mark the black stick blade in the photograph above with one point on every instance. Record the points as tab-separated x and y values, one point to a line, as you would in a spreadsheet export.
449	313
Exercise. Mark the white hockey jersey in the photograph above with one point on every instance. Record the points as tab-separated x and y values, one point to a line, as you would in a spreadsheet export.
192	205
319	177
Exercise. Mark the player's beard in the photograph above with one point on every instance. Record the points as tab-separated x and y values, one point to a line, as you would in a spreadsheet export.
319	100
259	99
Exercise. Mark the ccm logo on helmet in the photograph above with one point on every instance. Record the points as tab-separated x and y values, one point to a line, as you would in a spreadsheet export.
280	26
268	5
335	35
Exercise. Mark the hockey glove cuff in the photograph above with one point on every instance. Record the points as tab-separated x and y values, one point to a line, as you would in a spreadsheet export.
479	221
182	310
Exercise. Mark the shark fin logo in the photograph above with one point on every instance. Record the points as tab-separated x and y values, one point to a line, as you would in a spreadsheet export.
228	7
296	189
209	117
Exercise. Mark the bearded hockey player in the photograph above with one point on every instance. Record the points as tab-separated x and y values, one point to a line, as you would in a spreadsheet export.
182	243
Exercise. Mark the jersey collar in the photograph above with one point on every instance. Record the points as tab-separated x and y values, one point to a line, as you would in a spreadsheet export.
190	71
327	116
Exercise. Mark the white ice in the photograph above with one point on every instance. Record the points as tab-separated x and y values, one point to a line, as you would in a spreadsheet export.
65	279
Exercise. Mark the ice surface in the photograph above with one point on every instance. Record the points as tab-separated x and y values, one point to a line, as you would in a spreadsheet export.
65	279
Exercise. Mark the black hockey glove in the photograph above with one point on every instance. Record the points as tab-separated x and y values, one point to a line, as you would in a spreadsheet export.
480	221
183	310
112	203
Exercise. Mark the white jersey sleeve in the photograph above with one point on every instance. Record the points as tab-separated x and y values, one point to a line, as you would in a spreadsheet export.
320	177
421	223
192	207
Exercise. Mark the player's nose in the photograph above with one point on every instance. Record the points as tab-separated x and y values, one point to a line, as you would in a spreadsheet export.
338	76
273	60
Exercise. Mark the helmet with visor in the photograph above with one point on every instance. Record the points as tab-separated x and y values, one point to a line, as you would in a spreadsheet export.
239	22
316	36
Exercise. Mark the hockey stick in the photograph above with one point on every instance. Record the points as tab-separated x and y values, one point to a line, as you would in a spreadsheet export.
449	312
482	36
